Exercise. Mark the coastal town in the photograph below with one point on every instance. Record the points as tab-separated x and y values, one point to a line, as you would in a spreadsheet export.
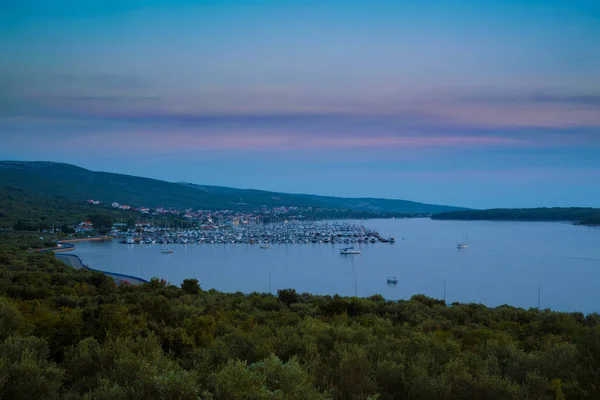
219	227
285	225
276	225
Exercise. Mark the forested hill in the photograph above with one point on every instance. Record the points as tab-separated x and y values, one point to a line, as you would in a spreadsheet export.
73	334
311	200
26	211
581	215
76	184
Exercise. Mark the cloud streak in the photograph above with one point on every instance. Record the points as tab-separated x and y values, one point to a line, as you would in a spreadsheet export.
157	142
537	97
469	111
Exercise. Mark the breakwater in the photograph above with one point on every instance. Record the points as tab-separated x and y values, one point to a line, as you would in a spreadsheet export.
75	261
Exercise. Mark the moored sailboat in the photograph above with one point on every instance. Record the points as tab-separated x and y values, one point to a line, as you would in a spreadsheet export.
463	245
349	250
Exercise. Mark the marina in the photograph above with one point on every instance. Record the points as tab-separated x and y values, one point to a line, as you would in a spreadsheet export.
293	232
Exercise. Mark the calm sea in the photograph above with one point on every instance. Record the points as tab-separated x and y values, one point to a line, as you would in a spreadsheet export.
505	264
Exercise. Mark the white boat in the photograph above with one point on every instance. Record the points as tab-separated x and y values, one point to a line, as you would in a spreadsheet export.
463	245
166	251
392	239
130	240
349	250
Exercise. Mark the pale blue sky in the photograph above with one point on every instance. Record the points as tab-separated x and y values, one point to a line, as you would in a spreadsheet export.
481	104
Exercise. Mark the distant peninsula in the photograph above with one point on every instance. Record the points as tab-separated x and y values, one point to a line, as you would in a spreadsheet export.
51	179
579	215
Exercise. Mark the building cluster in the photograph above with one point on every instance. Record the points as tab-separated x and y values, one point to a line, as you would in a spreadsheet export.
84	227
235	217
206	219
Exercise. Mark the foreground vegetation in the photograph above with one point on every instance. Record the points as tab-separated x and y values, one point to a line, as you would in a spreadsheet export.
73	334
582	215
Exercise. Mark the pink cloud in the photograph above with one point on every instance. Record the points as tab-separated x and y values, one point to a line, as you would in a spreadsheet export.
413	141
523	116
182	141
434	108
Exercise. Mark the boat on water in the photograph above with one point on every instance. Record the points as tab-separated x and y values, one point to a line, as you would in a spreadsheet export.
392	280
392	239
166	251
265	246
463	245
130	240
349	250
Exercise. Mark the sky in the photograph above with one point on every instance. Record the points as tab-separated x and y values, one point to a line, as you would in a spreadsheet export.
479	104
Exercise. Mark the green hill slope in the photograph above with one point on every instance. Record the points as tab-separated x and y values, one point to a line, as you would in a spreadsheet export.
32	211
309	200
75	183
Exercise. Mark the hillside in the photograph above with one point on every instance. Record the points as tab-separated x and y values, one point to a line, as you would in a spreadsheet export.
30	211
582	215
75	183
310	200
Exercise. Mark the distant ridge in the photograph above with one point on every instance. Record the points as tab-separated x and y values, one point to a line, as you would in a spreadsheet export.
76	183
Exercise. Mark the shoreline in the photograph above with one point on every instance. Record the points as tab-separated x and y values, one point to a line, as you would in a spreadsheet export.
63	245
90	239
75	261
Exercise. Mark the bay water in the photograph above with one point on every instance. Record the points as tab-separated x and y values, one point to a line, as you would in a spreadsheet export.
506	263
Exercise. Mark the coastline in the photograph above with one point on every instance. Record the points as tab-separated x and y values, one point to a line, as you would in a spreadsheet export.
75	261
66	244
90	239
581	216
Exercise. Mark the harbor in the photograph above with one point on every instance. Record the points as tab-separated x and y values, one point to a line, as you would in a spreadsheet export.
505	262
292	232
